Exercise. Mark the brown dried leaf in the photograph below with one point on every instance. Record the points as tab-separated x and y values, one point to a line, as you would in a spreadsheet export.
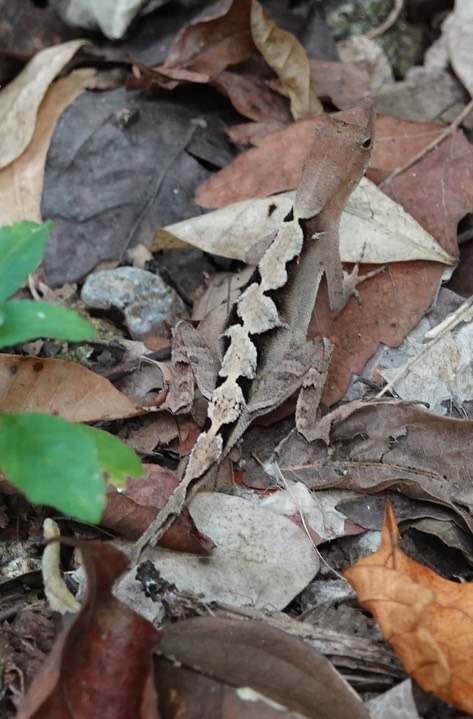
252	654
219	37
369	447
186	694
427	619
274	165
65	389
392	303
192	361
107	649
131	510
344	83
287	57
429	190
251	97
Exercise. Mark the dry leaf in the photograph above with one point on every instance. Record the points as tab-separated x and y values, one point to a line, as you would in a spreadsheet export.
435	367
345	83
107	649
396	703
373	228
188	694
429	190
427	619
287	57
459	30
368	447
245	568
65	389
20	100
131	510
252	98
270	661
217	38
392	303
21	183
274	165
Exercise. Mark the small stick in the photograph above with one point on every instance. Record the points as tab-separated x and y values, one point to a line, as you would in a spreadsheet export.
433	145
389	22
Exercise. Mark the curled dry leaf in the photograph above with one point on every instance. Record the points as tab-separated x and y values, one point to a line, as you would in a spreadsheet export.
20	100
426	618
107	649
287	57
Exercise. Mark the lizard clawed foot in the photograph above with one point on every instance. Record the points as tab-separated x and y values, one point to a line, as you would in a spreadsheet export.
352	279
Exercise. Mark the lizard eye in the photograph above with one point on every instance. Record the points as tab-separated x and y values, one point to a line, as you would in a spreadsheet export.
367	143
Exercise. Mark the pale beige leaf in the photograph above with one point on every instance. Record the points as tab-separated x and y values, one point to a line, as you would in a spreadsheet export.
373	228
378	230
64	389
232	230
21	182
245	568
459	30
20	100
287	57
438	365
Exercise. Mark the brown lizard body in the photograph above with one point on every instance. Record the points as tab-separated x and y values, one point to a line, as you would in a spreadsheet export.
267	326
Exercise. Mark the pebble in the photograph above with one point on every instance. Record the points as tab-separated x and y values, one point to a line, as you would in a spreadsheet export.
147	303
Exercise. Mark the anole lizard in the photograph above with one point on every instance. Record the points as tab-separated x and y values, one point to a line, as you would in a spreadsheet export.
264	349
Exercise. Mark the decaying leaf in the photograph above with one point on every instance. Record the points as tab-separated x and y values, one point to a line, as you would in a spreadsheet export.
216	39
438	365
90	149
131	510
387	445
192	361
285	54
251	654
101	664
458	28
185	692
274	165
427	619
65	389
245	568
429	190
20	100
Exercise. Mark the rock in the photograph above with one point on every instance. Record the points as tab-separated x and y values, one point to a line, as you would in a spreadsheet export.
146	301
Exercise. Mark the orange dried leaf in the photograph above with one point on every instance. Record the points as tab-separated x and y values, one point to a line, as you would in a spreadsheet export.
427	619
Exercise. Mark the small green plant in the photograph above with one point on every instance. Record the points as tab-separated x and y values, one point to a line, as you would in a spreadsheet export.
52	461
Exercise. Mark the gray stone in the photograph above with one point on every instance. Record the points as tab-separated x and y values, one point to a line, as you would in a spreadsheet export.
147	303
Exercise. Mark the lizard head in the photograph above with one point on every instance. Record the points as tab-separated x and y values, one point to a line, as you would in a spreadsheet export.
336	160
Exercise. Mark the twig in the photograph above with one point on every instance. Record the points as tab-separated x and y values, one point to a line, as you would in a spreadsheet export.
433	145
389	22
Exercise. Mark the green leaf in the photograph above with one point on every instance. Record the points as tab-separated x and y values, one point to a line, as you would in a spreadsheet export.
114	457
21	250
53	462
23	320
